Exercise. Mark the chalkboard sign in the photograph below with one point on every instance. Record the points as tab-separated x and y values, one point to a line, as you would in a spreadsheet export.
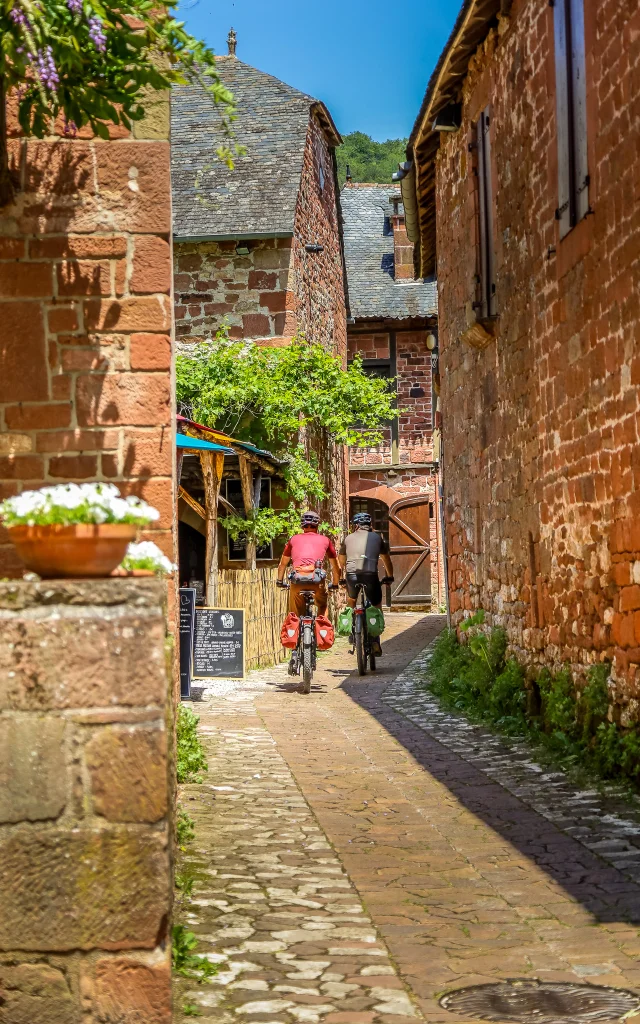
187	626
218	648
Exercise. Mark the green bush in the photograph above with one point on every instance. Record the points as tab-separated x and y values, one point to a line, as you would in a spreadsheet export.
184	960
190	756
476	678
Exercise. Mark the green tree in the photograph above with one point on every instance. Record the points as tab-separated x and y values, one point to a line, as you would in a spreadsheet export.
94	62
274	398
369	161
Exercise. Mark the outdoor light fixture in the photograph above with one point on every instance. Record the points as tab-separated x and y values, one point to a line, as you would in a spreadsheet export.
314	247
448	119
432	341
242	249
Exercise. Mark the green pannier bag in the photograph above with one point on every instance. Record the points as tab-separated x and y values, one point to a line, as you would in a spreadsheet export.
375	621
345	622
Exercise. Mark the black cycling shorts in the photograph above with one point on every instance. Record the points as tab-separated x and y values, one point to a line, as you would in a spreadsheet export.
371	582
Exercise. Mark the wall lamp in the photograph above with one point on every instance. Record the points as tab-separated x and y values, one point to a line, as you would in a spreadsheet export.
432	341
314	247
448	119
242	249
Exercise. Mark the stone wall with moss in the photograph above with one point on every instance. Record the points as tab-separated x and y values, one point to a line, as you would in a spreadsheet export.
85	798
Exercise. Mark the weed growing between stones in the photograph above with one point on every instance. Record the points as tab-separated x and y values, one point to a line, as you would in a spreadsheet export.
185	961
476	678
185	881
190	1010
190	755
185	829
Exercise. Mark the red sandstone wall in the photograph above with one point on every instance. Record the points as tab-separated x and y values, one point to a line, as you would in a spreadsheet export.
318	278
413	363
541	428
85	307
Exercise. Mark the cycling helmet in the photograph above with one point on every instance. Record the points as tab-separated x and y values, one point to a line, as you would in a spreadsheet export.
361	519
310	519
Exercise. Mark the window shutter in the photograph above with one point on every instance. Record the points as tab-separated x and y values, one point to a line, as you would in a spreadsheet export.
563	117
487	276
579	96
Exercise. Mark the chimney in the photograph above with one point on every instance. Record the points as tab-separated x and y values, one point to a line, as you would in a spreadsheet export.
402	247
348	176
232	42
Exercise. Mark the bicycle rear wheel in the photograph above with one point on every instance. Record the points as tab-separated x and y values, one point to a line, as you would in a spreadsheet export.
307	661
361	653
372	661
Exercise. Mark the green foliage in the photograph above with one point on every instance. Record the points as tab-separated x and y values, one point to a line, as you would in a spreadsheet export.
369	161
185	829
272	396
190	756
184	960
476	678
185	881
265	524
190	1010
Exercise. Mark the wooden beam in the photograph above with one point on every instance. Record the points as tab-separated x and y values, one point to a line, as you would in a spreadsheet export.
212	464
257	460
246	482
197	507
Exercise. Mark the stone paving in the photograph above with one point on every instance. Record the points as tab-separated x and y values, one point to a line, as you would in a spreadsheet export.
359	852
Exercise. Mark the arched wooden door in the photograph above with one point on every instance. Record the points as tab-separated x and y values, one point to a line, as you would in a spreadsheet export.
410	550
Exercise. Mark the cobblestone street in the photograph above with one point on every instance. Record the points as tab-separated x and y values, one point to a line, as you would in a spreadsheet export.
359	852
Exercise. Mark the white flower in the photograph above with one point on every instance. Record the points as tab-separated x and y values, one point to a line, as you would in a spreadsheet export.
69	503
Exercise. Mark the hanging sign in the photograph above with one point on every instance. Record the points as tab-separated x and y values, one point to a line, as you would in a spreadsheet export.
219	643
187	628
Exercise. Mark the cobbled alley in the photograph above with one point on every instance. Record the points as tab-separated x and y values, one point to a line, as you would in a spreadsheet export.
359	852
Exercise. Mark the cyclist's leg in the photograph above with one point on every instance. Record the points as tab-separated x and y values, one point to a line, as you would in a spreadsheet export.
373	588
297	602
322	598
351	580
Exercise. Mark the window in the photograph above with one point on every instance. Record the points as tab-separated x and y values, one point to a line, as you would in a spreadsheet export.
486	299
236	549
571	108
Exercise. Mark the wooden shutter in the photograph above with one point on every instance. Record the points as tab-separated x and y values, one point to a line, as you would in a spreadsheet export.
563	117
579	97
485	210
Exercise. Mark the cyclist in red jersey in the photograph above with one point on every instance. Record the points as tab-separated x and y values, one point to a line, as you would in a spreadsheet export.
307	551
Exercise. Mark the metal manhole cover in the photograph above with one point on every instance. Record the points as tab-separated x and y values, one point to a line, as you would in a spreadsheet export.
541	1002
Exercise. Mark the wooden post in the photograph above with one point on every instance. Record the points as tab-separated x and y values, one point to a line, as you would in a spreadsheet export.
212	463
246	482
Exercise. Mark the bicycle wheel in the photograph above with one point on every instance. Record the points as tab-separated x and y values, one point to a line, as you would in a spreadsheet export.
361	653
307	660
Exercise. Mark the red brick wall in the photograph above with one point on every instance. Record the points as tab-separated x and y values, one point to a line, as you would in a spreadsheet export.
413	364
85	364
318	278
251	293
541	428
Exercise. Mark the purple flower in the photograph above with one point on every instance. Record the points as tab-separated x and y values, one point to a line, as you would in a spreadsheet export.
96	35
18	16
70	128
75	6
46	68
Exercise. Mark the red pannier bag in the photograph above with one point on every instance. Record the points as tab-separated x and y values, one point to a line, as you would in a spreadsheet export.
325	634
290	631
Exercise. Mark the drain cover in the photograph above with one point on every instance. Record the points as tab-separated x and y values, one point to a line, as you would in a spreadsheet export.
541	1002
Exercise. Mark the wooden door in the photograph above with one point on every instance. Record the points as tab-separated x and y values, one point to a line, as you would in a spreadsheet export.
410	551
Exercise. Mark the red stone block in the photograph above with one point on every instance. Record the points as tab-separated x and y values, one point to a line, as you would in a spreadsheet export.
38	417
150	352
275	302
21	467
256	325
23	345
80	247
133	314
151	265
62	318
133	179
84	277
128	990
70	467
140	399
629	598
21	279
12	248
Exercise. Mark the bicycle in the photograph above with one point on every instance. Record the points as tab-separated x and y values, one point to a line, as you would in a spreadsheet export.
304	656
362	644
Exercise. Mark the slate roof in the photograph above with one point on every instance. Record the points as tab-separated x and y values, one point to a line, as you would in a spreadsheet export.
368	249
258	197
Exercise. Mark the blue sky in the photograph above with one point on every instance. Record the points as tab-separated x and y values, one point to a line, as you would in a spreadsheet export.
368	61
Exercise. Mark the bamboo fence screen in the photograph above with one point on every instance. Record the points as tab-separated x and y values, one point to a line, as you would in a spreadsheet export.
265	607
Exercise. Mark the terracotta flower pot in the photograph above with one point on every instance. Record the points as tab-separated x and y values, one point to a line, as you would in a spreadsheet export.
62	551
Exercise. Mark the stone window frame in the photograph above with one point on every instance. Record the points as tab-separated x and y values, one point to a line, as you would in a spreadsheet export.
571	113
